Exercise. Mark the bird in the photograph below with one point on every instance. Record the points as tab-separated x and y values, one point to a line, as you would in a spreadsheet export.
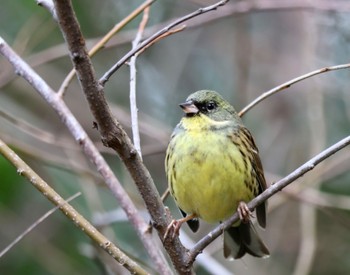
213	169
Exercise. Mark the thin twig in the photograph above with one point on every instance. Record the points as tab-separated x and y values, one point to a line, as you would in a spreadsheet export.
170	32
289	83
84	225
269	192
320	199
165	194
29	129
35	224
148	41
133	71
100	44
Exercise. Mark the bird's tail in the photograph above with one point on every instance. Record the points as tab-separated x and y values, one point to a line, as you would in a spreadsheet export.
243	239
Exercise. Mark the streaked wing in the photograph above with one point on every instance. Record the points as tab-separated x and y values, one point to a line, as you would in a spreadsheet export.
242	135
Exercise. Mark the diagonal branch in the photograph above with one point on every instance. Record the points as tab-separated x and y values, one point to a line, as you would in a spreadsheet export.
83	224
149	40
269	192
290	83
115	137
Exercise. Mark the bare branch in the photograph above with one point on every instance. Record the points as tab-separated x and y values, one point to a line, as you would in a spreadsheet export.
84	225
148	41
290	83
133	105
269	192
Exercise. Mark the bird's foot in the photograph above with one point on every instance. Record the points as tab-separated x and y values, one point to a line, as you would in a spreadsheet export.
243	212
174	226
172	229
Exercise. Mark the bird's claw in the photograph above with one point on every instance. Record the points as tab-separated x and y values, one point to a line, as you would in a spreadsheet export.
243	212
173	228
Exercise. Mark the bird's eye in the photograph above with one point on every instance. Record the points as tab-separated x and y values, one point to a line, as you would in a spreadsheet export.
211	106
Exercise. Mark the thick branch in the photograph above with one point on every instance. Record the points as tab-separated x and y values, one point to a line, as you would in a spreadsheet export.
115	137
269	192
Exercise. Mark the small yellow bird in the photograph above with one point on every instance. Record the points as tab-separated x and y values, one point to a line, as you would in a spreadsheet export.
213	169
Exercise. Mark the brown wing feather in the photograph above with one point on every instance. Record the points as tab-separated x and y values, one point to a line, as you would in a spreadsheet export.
246	137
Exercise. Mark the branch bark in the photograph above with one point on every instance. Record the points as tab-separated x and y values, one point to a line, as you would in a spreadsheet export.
115	137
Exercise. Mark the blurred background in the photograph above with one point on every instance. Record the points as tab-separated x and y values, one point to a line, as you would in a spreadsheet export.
238	51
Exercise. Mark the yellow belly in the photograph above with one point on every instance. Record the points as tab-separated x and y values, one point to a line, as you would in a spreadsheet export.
209	177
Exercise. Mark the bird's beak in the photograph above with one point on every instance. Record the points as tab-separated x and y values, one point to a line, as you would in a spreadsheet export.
189	107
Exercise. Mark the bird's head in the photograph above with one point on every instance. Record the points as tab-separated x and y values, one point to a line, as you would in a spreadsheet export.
210	104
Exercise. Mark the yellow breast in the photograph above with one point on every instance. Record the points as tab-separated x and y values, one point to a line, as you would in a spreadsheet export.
206	172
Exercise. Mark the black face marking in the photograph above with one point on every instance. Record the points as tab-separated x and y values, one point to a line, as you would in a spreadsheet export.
206	107
190	114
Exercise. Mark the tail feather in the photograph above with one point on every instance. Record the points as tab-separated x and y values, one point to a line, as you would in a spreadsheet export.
243	239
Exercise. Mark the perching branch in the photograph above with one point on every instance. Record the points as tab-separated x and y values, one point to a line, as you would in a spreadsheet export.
84	225
269	192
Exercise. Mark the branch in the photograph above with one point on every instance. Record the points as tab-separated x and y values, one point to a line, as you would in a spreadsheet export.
148	41
88	147
84	225
269	192
290	83
133	105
